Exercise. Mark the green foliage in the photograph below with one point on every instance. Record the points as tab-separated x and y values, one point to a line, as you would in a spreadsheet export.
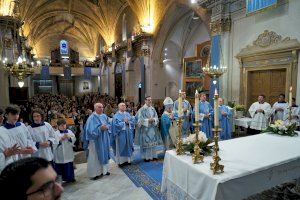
204	146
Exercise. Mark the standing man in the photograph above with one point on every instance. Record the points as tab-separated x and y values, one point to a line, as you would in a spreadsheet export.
295	113
206	116
97	134
18	132
43	135
149	138
122	136
186	114
224	119
166	122
279	107
260	112
1	116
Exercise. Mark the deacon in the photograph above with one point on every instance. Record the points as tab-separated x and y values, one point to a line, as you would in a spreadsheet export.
224	119
43	135
63	152
122	134
295	113
166	122
206	114
97	133
149	138
260	112
18	133
186	109
279	107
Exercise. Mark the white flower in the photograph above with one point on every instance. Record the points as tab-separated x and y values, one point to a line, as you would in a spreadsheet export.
202	136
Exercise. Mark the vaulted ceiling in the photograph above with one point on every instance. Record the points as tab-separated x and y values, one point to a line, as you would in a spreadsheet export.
81	22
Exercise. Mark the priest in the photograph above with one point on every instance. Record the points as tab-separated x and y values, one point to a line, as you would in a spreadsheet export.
279	107
295	114
166	122
260	112
206	116
97	130
187	111
122	136
18	132
224	120
149	137
42	135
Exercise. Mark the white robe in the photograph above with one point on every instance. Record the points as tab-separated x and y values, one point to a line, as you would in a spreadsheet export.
295	113
63	151
43	134
22	137
94	168
260	121
5	142
278	115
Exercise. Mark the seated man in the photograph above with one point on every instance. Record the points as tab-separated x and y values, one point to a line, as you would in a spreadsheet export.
29	178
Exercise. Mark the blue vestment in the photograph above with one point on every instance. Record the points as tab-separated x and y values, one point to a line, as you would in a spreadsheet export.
225	123
187	122
206	124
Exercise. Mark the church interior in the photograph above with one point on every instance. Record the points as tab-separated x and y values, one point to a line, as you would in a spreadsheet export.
151	99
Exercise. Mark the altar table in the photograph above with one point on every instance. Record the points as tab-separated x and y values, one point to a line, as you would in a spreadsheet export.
252	164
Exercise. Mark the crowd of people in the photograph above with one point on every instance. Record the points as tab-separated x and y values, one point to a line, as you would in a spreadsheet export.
110	125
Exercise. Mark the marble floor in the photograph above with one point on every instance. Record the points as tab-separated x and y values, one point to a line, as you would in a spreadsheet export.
113	187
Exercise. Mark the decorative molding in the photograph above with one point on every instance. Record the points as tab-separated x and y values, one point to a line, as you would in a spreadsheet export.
268	38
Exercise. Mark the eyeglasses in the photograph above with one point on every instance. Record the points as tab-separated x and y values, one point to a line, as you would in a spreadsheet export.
47	189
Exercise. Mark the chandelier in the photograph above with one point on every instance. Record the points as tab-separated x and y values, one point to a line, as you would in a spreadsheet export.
21	63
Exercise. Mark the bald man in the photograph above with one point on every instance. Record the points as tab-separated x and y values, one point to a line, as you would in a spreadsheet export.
122	134
97	132
224	119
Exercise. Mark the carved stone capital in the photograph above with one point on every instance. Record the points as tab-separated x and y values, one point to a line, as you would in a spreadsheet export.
220	26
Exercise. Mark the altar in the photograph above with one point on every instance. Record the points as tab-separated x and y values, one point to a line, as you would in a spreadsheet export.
252	164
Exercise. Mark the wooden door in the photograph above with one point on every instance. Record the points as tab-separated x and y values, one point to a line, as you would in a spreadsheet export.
268	82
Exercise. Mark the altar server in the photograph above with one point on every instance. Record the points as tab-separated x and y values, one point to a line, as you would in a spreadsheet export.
18	133
122	136
260	112
206	116
42	135
279	107
187	111
97	130
63	152
166	122
295	113
149	137
224	119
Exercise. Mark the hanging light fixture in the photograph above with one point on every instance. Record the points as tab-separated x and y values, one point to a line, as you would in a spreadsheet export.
24	65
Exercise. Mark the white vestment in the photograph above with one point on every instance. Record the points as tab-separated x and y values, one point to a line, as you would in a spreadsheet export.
260	121
22	137
5	142
94	168
278	115
295	115
43	134
63	151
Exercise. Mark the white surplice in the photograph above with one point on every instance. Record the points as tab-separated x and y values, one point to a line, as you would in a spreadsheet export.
5	142
43	134
278	115
63	151
295	115
260	121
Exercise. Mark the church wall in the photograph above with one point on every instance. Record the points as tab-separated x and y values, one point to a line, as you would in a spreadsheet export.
81	86
283	20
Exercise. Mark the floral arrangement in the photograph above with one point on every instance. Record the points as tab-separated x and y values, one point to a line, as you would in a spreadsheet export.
281	128
239	107
189	143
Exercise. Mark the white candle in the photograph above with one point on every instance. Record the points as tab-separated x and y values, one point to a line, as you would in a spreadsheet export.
180	114
216	109
196	106
290	96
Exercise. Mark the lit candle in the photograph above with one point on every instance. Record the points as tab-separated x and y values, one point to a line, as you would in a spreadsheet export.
216	109
196	106
180	114
290	96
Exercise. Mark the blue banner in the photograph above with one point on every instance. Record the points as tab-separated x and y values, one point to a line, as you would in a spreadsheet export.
45	74
253	6
64	47
67	73
215	61
87	73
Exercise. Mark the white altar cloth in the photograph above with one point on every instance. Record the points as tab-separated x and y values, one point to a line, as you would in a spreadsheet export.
252	164
243	122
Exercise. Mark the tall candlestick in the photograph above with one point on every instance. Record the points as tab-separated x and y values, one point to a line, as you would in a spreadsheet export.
180	113
196	106
290	96
216	109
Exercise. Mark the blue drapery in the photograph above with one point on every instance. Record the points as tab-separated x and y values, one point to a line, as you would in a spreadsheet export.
215	61
67	73
256	5
45	75
87	73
